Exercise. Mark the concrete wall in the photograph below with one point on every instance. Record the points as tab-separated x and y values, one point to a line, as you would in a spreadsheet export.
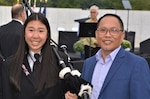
139	21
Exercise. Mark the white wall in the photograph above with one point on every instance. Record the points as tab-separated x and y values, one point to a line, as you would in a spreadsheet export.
139	21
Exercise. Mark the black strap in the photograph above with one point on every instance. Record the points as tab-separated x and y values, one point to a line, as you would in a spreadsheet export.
2	57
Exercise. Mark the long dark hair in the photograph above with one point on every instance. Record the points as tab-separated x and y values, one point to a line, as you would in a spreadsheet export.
48	72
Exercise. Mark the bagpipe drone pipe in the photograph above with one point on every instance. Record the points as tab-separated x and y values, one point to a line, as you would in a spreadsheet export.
27	6
73	82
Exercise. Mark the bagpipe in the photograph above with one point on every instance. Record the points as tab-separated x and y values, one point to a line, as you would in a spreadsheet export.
73	82
27	4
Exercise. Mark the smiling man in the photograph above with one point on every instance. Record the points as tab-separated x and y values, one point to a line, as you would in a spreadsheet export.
114	72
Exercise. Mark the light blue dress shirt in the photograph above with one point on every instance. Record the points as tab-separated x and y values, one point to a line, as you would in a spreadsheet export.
100	71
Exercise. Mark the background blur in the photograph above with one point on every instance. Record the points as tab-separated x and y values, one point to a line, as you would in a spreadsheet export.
62	13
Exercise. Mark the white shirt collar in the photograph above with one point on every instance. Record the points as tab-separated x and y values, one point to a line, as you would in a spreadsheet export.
31	53
18	21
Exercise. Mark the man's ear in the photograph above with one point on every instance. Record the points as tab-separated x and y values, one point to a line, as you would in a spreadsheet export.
22	14
123	35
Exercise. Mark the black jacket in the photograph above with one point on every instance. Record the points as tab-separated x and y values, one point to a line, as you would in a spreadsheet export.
27	87
9	38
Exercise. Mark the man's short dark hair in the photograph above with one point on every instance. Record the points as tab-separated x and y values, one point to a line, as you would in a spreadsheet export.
113	15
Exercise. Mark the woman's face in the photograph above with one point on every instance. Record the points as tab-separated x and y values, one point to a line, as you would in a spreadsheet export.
35	35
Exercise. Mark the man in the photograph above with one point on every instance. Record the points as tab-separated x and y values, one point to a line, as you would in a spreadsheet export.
94	10
114	72
90	41
10	32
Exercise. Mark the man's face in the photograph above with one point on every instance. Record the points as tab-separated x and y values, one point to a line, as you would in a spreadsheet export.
109	34
93	13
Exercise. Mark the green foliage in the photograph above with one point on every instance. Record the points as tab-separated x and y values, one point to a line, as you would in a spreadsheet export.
79	45
140	4
68	3
85	4
126	44
8	2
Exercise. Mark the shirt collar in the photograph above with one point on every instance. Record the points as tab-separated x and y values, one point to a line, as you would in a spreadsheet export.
18	21
31	53
112	54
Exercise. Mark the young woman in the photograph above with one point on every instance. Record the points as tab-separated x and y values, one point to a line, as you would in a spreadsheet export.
20	79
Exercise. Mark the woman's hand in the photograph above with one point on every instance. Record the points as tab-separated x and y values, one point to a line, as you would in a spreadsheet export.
69	95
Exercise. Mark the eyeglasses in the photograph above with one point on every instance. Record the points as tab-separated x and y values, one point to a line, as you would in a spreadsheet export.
93	12
112	31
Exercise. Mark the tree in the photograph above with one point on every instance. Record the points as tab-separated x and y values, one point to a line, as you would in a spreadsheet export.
140	4
85	4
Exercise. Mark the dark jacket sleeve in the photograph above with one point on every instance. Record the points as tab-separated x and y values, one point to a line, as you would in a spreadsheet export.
1	79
